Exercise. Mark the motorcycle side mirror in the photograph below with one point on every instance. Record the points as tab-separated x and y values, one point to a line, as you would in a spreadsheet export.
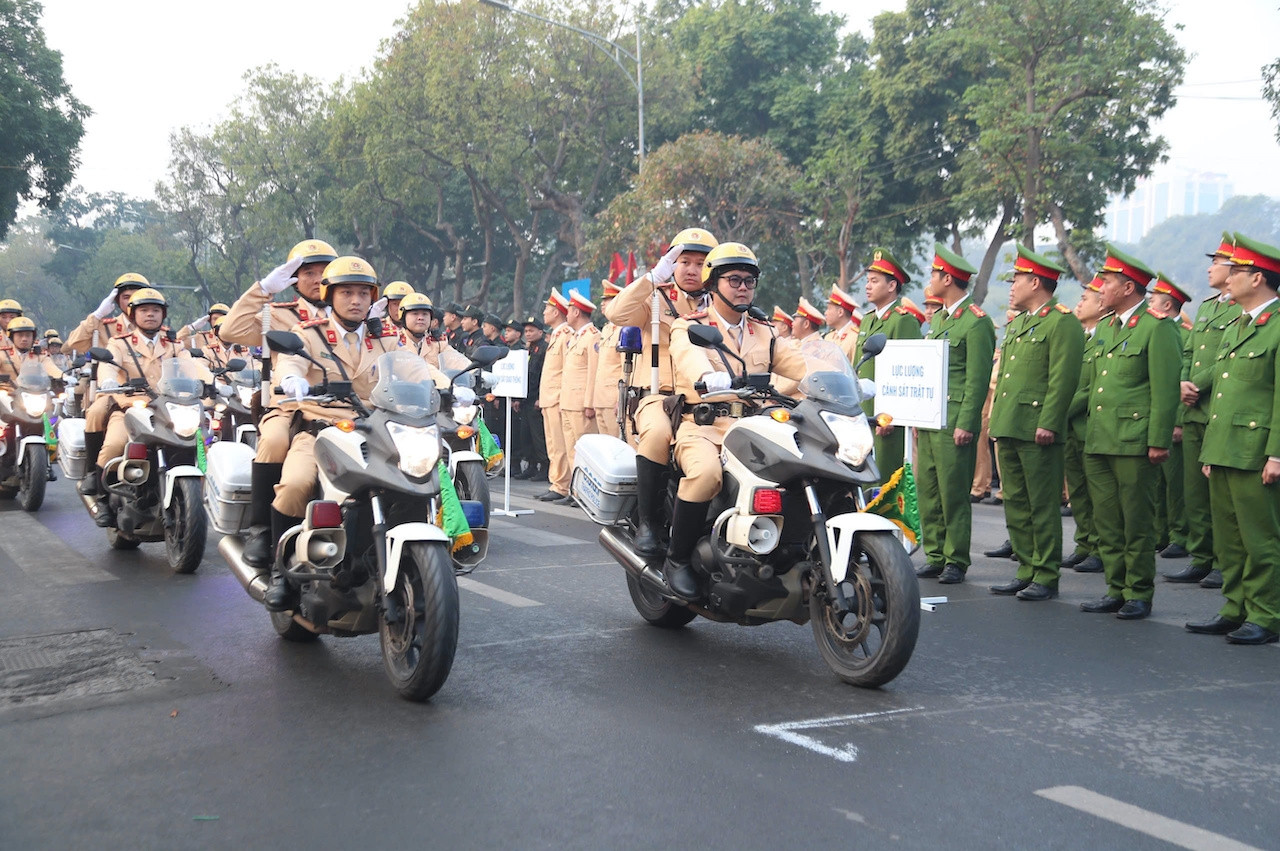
196	352
872	346
234	365
101	355
489	355
705	336
630	340
78	362
285	342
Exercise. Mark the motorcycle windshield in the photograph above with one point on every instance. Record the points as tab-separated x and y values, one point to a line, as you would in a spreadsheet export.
246	377
181	379
829	377
32	378
405	386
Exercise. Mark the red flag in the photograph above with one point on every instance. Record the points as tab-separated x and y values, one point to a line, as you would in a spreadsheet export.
616	268
631	266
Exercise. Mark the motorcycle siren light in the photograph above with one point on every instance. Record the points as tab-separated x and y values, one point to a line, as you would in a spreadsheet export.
466	432
324	514
766	501
135	451
630	340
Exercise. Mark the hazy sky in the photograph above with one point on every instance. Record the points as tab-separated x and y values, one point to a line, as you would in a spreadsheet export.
147	67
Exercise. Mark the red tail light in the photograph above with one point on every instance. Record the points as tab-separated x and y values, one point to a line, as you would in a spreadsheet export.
766	501
135	451
324	514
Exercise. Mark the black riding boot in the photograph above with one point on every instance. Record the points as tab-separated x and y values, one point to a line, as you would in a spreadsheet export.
91	484
687	521
281	596
649	481
258	541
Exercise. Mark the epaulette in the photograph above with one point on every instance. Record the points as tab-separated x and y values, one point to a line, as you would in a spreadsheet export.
696	315
1158	314
285	305
1062	308
126	335
312	323
902	311
977	311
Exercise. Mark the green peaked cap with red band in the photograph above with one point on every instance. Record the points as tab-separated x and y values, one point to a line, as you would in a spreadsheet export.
1128	265
1250	252
1037	264
1164	284
950	263
1225	248
885	263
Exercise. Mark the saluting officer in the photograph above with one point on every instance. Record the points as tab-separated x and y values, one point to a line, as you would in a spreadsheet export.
577	389
1199	349
1039	369
99	327
1132	403
947	456
199	334
1241	454
1084	559
1170	522
885	277
605	397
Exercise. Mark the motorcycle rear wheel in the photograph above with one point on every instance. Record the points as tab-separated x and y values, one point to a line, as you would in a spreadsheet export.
33	475
655	608
870	645
471	483
186	534
417	652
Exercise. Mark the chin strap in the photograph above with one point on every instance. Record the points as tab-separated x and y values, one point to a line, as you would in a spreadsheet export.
736	308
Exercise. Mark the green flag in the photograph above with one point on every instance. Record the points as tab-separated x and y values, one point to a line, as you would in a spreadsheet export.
897	502
200	457
50	439
451	518
489	447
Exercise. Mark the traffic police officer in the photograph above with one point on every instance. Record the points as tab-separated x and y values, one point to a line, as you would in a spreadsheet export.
10	309
1039	369
555	314
606	397
577	387
99	327
843	318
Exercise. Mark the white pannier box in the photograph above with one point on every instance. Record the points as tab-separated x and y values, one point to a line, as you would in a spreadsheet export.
604	477
71	447
228	485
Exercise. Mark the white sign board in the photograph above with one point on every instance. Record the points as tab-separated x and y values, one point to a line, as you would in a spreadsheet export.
911	382
512	374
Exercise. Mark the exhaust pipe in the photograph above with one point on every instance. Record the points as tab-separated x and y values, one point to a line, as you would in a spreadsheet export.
631	561
255	581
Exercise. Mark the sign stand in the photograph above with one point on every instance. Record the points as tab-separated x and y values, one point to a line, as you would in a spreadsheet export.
512	382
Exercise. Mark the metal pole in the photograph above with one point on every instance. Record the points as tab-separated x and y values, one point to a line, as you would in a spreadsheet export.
640	92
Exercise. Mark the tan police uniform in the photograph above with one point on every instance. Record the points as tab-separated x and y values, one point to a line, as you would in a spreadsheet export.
558	470
96	332
608	374
846	338
577	388
151	353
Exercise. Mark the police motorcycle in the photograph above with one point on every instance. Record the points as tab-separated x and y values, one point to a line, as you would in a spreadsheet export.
787	538
156	488
24	455
367	556
232	415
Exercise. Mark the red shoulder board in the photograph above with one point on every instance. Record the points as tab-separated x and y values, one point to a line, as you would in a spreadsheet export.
697	314
977	311
1262	320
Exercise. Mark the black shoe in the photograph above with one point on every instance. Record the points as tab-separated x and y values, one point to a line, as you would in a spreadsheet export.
257	547
281	596
952	574
649	478
1190	573
1010	588
1251	633
1073	559
523	474
1091	564
1213	580
1134	610
992	500
681	579
53	472
1174	551
1035	592
89	485
929	571
1066	510
106	516
549	496
566	500
539	474
976	498
1005	550
1106	605
1216	625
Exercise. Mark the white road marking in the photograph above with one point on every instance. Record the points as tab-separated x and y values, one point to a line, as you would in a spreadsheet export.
534	537
848	753
1169	830
43	557
562	636
469	584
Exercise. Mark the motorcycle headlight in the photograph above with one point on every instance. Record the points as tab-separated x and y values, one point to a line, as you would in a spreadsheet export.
185	418
854	440
246	396
418	448
35	404
464	414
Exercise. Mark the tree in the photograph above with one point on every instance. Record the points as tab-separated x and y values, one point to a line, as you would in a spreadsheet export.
1271	91
41	122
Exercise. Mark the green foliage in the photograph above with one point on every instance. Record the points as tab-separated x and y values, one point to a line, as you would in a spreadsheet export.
41	122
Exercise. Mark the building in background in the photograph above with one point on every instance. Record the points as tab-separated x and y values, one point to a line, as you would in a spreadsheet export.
1184	193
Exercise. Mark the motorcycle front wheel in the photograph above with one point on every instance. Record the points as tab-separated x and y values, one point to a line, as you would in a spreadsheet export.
471	483
188	527
870	644
418	650
33	475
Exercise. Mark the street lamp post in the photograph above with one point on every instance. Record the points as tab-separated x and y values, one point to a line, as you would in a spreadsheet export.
611	49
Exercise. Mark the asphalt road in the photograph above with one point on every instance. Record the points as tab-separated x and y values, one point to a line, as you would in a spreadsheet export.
140	709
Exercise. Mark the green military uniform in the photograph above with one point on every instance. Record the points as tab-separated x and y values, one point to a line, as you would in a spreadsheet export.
1170	507
1132	399
1040	366
945	472
1086	538
1242	434
898	324
1198	355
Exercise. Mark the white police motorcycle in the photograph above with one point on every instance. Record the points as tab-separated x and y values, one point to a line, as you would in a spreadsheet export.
24	455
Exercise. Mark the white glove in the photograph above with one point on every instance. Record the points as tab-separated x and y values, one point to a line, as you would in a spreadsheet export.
379	308
295	387
666	267
201	324
488	378
867	387
224	390
464	396
109	384
281	277
716	381
108	305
